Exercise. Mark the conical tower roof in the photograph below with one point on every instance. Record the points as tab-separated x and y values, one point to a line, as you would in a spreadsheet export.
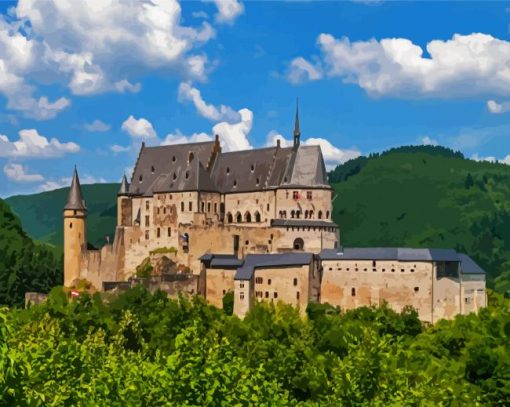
75	198
124	186
297	131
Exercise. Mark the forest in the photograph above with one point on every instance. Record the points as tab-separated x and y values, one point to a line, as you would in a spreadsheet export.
139	348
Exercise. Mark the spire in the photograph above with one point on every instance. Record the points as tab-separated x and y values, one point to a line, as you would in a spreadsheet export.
124	186
297	132
75	198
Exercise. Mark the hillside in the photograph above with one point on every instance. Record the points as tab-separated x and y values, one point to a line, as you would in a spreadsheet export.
41	214
427	197
24	266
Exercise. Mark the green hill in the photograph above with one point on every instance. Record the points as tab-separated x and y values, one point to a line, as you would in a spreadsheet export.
41	214
427	197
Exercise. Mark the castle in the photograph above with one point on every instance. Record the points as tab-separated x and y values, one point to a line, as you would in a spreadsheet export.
256	223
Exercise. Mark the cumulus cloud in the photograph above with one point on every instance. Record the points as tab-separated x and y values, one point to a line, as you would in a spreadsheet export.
97	125
465	65
427	141
179	138
120	149
32	144
138	127
228	10
234	136
333	156
300	70
497	108
93	47
188	93
63	182
19	173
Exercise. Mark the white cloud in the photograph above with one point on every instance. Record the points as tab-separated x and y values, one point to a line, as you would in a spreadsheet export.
497	108
477	157
97	125
427	141
466	65
332	155
234	136
18	173
300	70
228	10
32	144
179	138
189	93
138	127
120	149
93	46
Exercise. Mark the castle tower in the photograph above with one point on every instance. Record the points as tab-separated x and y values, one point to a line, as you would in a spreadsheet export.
75	214
124	204
297	132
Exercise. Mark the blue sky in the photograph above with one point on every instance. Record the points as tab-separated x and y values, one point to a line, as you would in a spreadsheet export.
100	78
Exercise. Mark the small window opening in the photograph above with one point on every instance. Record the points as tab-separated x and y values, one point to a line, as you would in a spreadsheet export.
173	159
152	169
267	294
295	282
416	289
297	295
228	170
353	292
268	281
187	174
71	225
275	294
252	168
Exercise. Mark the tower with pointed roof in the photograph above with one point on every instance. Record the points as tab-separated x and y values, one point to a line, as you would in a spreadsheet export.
75	240
297	132
123	204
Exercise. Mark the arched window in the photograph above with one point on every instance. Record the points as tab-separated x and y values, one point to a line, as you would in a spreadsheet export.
257	217
285	214
247	217
190	157
298	214
320	215
292	213
306	214
327	214
230	218
71	225
182	206
299	244
310	214
239	217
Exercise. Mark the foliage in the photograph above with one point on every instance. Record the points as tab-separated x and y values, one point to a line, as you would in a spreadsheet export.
228	303
163	250
146	349
24	265
144	269
428	197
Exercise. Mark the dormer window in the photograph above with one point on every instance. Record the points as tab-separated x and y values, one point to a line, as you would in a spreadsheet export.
174	176
140	178
228	170
187	174
173	159
190	156
252	168
258	181
235	183
152	169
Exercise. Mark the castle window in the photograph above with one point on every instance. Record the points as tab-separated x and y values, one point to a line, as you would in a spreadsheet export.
268	281
173	159
169	232
412	270
374	270
241	285
306	214
285	179
174	177
258	181
294	282
241	296
247	217
246	242
383	270
353	292
319	215
140	178
299	244
215	207
203	206
229	218
146	235
235	183
295	195
310	214
297	295
164	210
309	195
392	270
190	205
187	174
224	292
71	225
286	193
158	231
147	205
259	280
239	218
190	156
257	217
182	206
208	207
152	169
327	214
402	270
157	210
275	294
147	221
267	294
268	207
292	213
374	263
252	168
228	170
416	289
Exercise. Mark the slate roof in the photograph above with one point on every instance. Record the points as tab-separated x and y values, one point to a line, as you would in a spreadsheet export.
221	261
166	169
253	261
389	253
124	186
468	266
75	197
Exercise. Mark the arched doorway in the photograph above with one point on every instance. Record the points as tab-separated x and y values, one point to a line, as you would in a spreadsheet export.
299	244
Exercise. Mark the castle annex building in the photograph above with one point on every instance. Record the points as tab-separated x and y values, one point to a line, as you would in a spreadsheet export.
256	223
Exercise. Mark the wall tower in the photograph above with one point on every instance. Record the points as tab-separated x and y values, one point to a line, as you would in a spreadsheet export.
75	241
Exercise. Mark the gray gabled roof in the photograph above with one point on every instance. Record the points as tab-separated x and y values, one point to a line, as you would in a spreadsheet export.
307	168
254	261
75	197
228	261
389	253
468	265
